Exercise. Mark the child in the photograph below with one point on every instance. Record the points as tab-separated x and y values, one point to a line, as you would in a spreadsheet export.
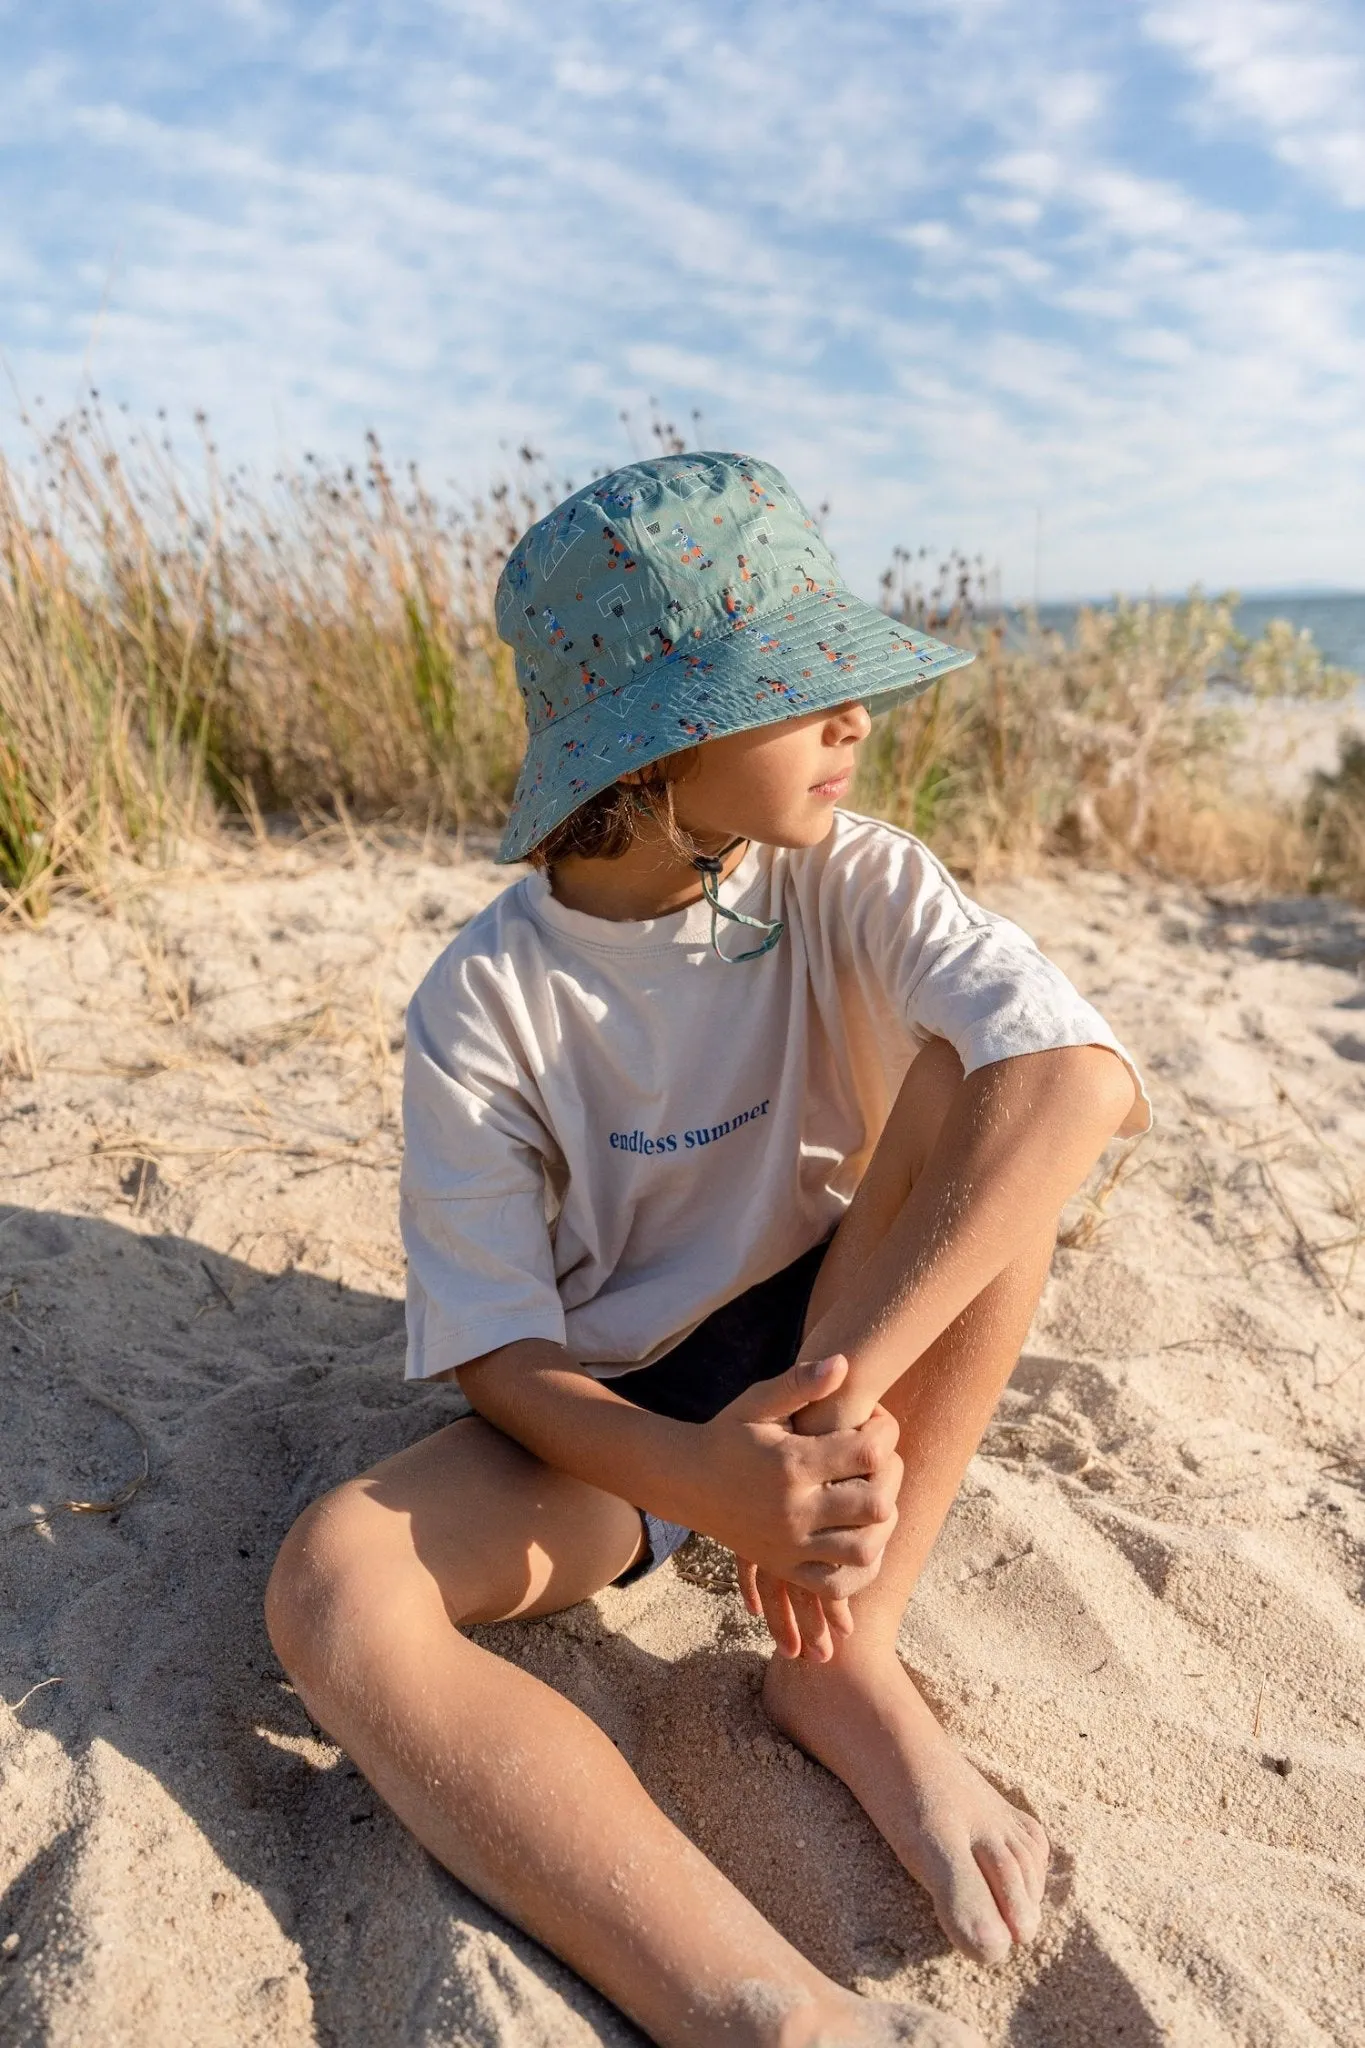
736	1139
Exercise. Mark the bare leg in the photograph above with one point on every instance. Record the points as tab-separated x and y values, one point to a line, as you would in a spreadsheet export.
983	1862
507	1783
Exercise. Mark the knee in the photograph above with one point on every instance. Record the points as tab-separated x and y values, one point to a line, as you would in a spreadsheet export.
318	1574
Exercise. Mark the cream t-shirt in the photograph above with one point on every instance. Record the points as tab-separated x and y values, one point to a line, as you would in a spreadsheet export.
609	1132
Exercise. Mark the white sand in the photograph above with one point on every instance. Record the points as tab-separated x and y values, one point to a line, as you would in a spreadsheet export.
1148	1595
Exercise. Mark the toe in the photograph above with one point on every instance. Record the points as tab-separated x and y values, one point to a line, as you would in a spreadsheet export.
1035	1832
1010	1888
1030	1845
968	1914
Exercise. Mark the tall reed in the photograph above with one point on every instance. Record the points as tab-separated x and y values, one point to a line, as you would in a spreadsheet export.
171	658
1120	745
167	658
109	663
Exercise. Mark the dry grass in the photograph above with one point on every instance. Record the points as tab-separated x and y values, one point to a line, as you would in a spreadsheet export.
1334	815
1119	747
174	659
168	660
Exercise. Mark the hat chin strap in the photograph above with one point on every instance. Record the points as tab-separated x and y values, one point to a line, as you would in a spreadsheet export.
710	866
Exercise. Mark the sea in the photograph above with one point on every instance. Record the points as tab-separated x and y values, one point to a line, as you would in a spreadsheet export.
1335	618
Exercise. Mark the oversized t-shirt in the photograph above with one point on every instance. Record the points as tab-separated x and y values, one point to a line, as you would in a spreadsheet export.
609	1132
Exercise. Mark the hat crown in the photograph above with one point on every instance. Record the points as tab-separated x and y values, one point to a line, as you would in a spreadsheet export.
676	601
642	566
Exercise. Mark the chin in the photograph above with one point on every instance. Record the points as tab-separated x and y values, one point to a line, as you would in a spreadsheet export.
795	833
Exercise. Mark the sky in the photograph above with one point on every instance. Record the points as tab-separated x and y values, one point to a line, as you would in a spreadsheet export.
1075	284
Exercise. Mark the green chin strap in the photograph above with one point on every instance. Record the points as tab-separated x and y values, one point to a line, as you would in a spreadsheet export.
710	866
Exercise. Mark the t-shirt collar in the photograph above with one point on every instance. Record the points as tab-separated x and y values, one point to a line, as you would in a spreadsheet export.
685	929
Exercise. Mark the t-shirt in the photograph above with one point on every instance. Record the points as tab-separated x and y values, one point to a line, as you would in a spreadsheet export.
609	1132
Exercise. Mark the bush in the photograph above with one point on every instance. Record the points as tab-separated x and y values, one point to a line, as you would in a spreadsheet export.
1120	746
1334	816
164	661
171	659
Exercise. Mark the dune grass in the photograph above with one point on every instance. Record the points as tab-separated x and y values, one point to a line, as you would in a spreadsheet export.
174	660
1121	746
169	662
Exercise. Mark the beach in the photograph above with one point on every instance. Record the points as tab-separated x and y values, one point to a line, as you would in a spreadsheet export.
1143	1619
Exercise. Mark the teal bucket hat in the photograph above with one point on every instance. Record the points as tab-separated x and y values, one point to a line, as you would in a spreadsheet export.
676	601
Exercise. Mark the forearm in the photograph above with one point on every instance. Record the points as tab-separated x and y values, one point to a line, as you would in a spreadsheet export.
1016	1144
534	1392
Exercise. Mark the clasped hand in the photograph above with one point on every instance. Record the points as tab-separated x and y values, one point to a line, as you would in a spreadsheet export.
808	1517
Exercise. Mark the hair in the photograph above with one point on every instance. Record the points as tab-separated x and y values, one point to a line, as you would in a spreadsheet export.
610	823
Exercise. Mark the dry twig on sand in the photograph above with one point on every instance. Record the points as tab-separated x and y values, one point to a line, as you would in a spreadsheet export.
115	1501
1348	1200
41	1686
1076	1236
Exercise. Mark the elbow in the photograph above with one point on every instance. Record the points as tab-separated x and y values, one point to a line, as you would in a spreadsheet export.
493	1382
478	1383
1109	1089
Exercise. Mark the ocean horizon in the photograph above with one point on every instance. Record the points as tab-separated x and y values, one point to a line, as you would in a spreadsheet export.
1335	618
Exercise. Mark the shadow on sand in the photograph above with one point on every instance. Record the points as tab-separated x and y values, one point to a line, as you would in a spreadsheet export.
254	1393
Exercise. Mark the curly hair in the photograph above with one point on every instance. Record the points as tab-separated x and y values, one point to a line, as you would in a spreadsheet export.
609	823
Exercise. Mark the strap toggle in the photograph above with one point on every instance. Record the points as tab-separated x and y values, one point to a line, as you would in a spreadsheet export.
710	866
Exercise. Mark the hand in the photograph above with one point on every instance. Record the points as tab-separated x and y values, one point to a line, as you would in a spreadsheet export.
814	1512
801	1623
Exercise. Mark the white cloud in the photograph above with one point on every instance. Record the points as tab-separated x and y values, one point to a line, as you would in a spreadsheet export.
1295	69
589	80
905	255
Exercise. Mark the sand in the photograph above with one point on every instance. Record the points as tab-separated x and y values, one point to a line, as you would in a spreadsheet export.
1143	1618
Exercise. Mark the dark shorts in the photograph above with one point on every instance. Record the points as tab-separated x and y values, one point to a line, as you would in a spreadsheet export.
754	1337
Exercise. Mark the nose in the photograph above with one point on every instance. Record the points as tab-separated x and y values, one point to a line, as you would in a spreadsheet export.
854	721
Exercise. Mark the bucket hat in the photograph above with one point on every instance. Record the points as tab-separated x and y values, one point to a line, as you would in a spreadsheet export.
675	601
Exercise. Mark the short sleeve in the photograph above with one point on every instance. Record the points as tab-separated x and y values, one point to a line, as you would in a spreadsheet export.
472	1202
955	971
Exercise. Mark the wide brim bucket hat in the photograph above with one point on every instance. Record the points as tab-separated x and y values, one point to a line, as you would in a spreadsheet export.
672	602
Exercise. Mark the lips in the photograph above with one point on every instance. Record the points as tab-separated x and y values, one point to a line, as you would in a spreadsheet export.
834	786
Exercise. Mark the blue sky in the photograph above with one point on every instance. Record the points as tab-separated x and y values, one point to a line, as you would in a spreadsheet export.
948	265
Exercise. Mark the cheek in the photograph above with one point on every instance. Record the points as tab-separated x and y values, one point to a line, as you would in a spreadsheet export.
754	776
781	760
765	778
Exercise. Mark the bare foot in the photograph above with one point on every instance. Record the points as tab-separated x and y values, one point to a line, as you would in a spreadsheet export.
864	2023
982	1861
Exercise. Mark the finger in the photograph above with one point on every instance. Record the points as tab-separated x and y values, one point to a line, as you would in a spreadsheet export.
855	1503
880	1435
817	1645
849	1454
839	1615
777	1612
776	1400
748	1585
870	1442
835	1582
858	1549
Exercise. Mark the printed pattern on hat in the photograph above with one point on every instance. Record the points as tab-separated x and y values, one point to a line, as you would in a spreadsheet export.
673	601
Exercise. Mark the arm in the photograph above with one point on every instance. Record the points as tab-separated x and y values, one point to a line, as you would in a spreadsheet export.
1019	1140
796	1504
534	1392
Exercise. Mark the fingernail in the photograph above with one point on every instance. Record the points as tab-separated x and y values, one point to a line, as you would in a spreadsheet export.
812	1369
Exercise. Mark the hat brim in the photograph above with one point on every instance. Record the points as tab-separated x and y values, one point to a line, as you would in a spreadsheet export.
809	654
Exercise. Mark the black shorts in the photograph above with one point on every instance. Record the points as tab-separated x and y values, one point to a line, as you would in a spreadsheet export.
754	1337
